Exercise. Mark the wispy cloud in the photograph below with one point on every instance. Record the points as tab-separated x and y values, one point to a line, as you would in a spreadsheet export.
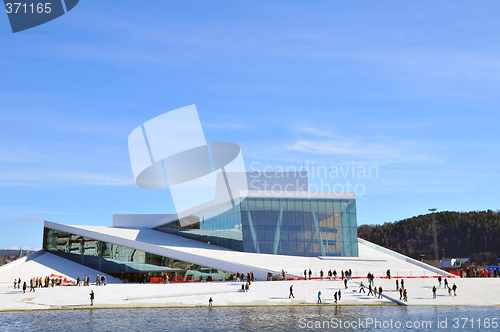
18	178
30	219
18	154
308	129
371	152
319	142
224	125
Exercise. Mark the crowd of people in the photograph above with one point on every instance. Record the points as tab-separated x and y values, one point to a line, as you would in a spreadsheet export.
37	282
332	275
46	282
476	272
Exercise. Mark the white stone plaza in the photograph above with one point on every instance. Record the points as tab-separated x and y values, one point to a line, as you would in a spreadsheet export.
418	282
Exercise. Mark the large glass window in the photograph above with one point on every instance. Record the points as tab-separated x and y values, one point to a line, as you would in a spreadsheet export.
322	225
123	262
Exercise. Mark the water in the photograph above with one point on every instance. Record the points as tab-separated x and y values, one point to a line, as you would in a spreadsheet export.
285	318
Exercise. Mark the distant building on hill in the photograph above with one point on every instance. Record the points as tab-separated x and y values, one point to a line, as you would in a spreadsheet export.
8	255
448	263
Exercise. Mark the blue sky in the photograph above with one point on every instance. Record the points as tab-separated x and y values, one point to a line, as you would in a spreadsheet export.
408	88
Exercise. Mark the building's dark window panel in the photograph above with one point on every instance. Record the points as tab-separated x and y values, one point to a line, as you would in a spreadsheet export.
123	262
283	226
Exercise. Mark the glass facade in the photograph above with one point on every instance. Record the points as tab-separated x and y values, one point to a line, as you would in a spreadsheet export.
283	226
123	262
220	225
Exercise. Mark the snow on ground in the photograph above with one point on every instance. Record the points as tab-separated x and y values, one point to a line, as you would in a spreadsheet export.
470	292
479	291
41	264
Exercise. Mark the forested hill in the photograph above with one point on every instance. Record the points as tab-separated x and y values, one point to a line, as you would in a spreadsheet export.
461	234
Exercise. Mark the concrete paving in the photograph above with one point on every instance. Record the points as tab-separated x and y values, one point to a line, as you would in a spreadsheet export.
477	291
470	292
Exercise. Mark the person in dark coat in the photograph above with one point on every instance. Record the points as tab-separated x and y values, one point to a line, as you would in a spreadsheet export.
32	287
454	288
335	297
91	297
310	273
370	290
401	293
433	292
340	294
345	283
291	292
380	292
24	287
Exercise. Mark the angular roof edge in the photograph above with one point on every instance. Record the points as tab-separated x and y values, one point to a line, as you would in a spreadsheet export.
154	220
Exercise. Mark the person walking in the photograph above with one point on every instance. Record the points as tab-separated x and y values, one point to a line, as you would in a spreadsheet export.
446	283
340	294
345	283
335	297
434	292
15	283
210	302
374	291
362	287
401	293
454	288
370	290
321	274
397	285
18	283
32	286
291	292
305	274
319	297
402	284
91	297
439	280
310	273
24	287
405	295
380	292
